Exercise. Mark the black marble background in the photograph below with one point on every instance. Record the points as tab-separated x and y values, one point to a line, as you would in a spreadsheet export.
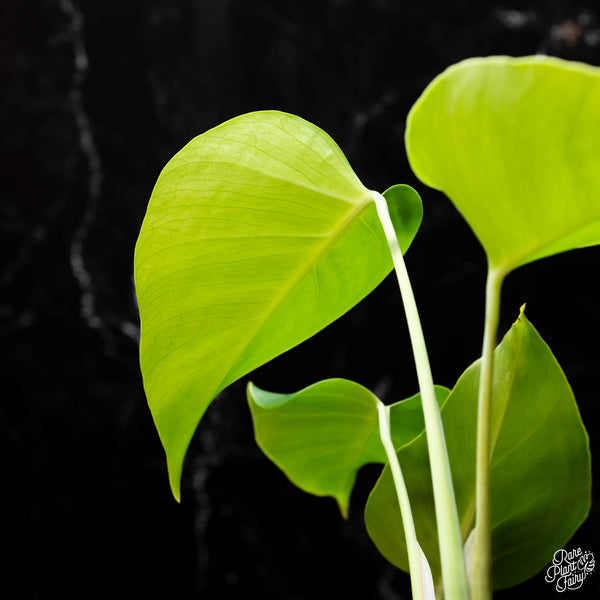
95	97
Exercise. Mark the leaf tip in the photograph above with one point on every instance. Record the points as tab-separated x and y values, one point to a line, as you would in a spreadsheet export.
175	487
175	468
343	505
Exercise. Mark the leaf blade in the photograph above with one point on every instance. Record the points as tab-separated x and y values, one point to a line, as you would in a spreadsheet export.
322	435
258	234
512	143
532	403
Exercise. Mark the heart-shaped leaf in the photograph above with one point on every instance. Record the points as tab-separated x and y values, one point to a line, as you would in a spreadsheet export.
258	234
514	143
540	478
321	436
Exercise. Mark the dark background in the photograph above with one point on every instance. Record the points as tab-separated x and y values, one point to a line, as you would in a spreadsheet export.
95	97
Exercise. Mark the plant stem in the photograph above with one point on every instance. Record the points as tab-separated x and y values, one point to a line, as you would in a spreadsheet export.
421	583
454	575
481	568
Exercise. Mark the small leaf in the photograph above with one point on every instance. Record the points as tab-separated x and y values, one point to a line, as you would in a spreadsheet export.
540	479
321	436
258	235
514	144
406	211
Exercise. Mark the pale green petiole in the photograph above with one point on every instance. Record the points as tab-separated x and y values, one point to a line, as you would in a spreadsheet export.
481	568
454	575
420	573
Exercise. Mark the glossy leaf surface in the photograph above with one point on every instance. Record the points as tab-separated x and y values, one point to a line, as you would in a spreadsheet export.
321	436
514	143
540	479
258	234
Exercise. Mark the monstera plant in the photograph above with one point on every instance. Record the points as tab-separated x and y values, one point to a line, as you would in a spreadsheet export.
259	234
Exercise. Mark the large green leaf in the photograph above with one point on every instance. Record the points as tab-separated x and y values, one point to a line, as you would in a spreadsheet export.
321	436
540	480
258	234
515	144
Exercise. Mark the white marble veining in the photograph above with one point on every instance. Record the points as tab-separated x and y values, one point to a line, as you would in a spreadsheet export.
95	177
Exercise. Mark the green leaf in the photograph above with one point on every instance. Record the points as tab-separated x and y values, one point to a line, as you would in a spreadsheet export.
321	436
514	143
406	212
258	234
540	479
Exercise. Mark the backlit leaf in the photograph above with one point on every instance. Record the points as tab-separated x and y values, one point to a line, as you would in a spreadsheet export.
515	144
258	234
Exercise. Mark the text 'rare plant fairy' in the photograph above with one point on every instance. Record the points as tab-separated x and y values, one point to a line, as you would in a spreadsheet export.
259	234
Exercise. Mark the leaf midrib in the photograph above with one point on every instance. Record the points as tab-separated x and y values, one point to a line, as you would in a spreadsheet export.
511	383
470	511
358	208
